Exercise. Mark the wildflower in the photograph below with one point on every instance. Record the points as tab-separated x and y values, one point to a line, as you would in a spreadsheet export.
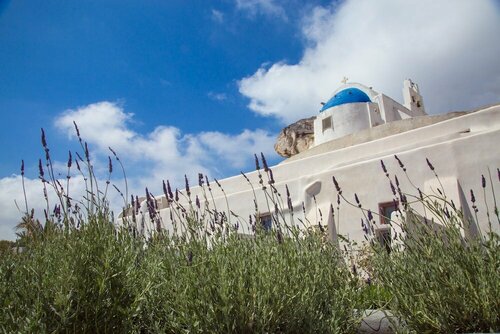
400	163
165	191
208	183
429	164
77	130
200	179
370	215
169	191
40	169
383	167
70	159
264	162
289	204
87	156
271	178
44	141
421	195
218	184
22	167
337	187
483	181
357	200
392	188
472	197
197	201
257	167
110	165
187	185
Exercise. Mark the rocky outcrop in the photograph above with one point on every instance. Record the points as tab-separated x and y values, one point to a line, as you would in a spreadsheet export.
295	138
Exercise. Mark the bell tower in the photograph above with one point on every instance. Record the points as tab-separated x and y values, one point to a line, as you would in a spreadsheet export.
412	98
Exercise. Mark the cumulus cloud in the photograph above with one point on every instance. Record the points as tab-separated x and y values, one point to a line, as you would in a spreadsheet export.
448	47
164	153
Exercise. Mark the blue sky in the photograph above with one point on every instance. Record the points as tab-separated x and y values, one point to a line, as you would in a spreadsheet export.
185	86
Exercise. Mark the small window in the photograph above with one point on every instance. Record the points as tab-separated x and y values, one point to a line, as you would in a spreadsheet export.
266	221
383	236
327	123
385	210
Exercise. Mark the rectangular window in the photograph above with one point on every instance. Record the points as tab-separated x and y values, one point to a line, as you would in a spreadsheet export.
327	123
266	221
385	210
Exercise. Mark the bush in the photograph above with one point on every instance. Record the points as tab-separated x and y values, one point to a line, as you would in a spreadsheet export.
434	277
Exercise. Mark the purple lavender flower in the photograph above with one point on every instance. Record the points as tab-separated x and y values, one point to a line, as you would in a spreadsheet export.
200	179
169	191
337	187
22	167
197	202
110	165
165	191
264	162
40	168
357	200
400	163
257	167
271	178
44	141
483	181
472	197
76	129
187	185
370	215
383	167
70	159
87	155
392	188
429	164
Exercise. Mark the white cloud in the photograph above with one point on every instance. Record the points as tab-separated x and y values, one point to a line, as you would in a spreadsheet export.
217	96
165	153
448	47
266	7
217	16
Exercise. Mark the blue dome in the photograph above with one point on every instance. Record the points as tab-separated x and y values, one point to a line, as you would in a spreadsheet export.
348	95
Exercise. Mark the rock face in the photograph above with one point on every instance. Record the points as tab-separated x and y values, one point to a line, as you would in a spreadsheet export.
295	138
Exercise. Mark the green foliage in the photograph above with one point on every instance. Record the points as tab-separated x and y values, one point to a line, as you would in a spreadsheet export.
441	283
102	279
6	246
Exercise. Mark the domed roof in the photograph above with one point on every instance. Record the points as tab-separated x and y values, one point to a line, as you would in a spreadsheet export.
348	95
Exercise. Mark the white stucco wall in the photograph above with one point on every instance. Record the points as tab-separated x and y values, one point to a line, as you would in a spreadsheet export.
346	119
461	149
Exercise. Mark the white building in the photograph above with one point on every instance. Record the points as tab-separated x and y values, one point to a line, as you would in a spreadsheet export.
354	131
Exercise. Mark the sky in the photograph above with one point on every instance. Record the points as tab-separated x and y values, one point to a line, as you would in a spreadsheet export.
180	87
